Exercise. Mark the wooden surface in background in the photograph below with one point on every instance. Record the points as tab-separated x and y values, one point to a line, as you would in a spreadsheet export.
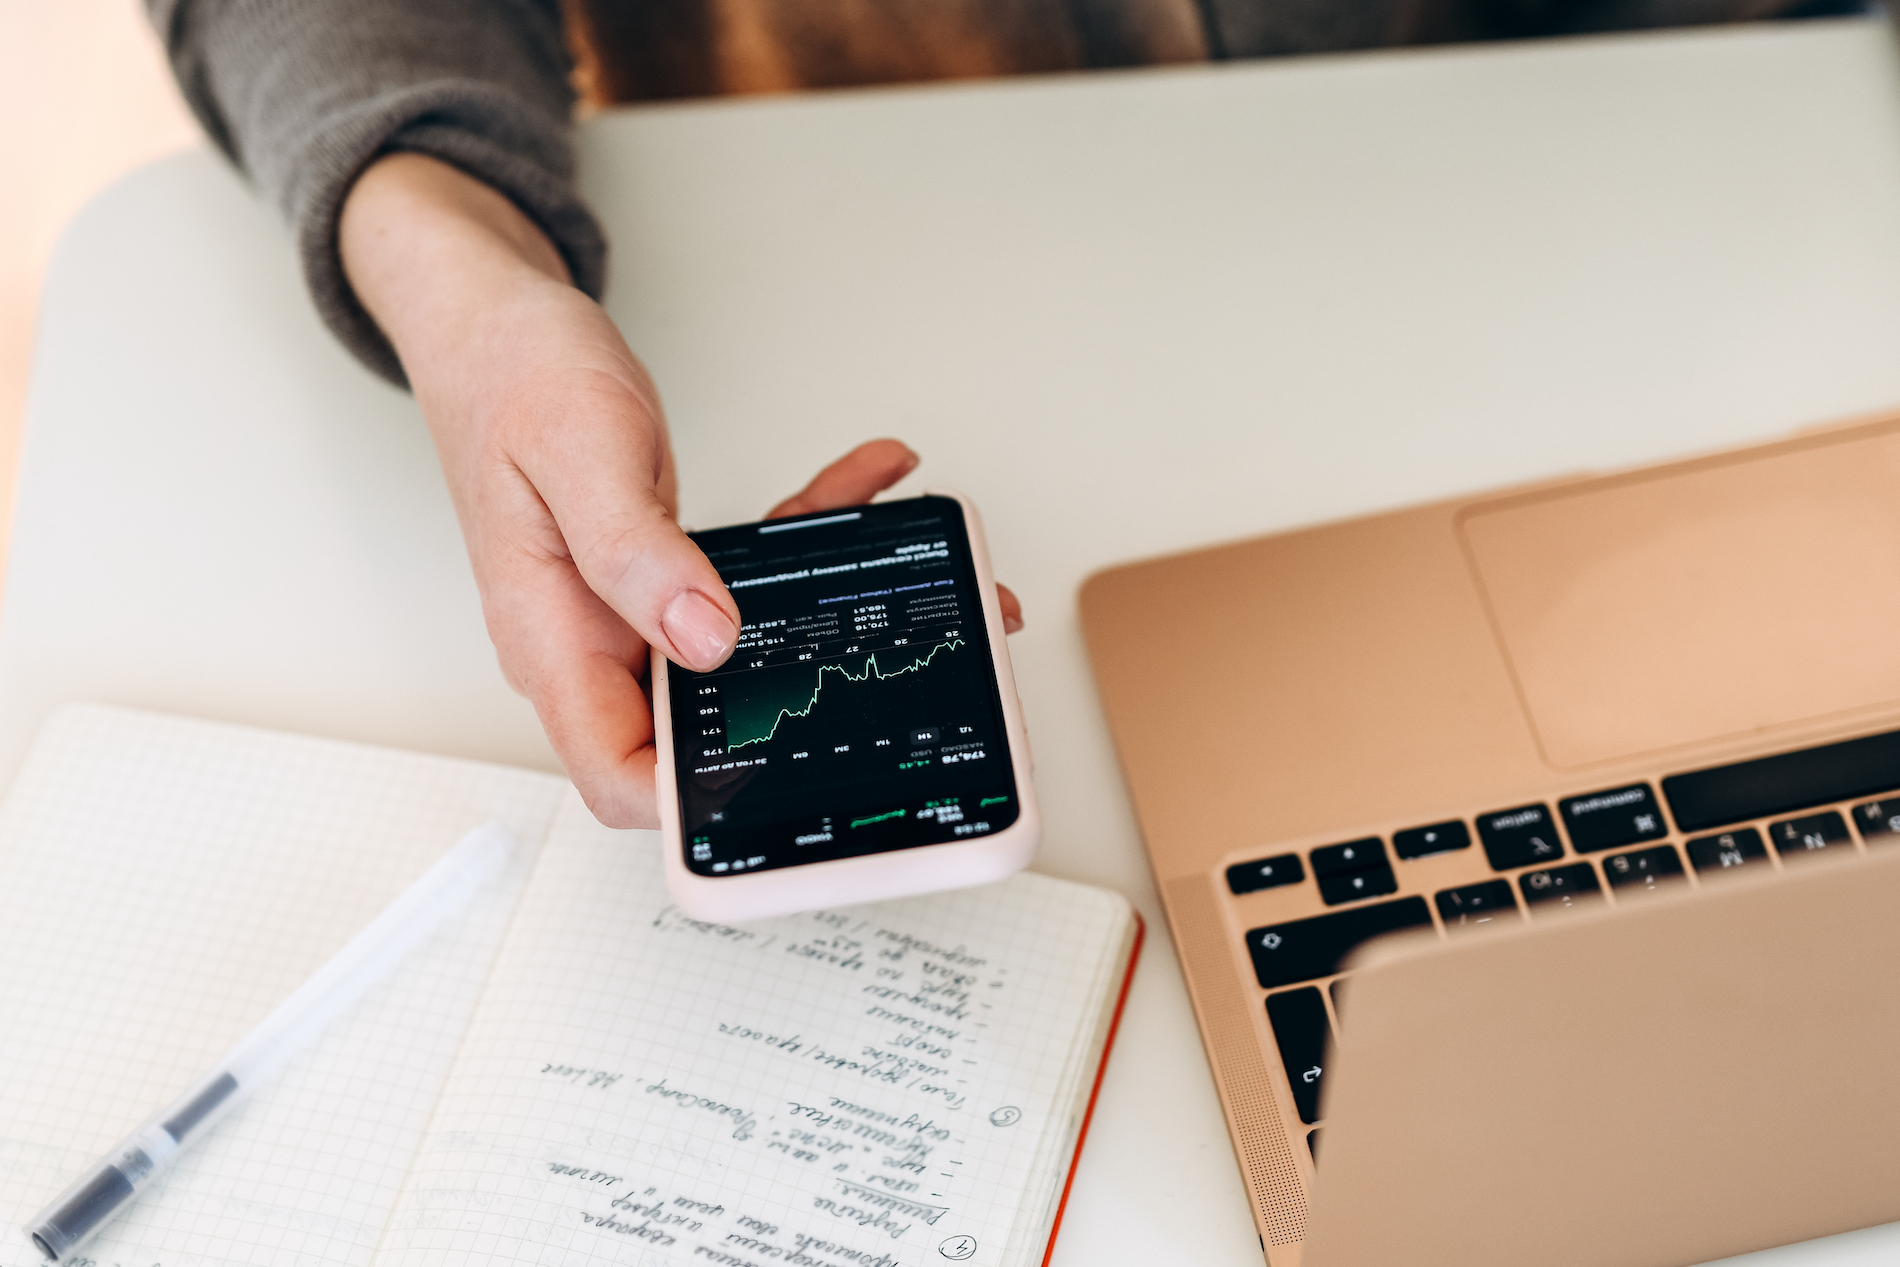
644	50
653	50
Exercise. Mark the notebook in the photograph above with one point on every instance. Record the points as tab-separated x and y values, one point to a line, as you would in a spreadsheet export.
569	1072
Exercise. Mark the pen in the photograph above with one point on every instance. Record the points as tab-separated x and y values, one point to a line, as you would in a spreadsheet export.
103	1190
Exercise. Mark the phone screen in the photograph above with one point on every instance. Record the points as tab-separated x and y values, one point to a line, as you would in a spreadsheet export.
860	712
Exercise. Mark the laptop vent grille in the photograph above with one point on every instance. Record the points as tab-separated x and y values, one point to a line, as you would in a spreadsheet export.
1273	1177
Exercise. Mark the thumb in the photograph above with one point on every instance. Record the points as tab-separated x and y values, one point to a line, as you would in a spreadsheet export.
659	582
628	549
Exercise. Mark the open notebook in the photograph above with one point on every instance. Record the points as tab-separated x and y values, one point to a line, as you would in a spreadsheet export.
569	1072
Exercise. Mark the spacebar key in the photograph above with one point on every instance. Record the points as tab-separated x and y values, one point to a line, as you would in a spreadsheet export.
1307	948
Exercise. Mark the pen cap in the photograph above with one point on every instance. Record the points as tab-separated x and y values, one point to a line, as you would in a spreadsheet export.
79	1211
98	1194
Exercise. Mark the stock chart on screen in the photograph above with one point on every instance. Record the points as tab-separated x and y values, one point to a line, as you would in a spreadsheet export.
860	711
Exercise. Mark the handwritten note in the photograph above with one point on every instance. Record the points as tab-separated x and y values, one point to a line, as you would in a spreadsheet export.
856	1088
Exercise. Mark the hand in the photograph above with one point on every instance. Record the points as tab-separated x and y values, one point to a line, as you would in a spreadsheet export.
555	449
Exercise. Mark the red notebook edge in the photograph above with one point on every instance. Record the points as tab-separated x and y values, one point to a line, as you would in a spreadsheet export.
1101	1070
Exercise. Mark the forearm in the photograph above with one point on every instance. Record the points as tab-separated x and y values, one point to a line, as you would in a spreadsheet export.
305	95
428	251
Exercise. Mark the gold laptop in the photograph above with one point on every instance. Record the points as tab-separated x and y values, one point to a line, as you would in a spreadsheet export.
1596	694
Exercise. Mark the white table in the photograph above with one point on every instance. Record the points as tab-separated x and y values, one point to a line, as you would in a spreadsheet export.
1128	312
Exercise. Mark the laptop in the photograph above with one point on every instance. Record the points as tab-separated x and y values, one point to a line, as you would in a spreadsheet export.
1614	726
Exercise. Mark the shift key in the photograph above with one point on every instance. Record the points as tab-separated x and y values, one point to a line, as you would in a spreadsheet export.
1303	949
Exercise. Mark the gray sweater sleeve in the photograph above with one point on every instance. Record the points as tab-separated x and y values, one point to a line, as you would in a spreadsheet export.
302	94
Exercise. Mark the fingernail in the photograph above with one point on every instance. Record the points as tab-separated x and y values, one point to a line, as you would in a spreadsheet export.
699	630
910	463
1012	624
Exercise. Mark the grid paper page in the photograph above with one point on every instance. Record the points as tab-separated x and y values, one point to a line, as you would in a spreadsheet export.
164	884
889	1084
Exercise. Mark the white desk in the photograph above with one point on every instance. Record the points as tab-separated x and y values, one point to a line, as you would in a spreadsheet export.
1129	313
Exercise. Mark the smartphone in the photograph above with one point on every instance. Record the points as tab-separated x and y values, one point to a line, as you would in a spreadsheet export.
865	740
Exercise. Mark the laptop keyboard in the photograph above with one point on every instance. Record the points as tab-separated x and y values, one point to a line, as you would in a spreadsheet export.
1736	817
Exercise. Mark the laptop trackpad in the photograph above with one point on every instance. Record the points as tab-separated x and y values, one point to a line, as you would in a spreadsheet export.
1646	612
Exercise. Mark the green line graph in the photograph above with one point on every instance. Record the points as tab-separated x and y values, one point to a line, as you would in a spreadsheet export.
757	703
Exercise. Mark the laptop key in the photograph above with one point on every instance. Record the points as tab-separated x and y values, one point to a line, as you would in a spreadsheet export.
1299	1027
1267	873
1418	842
1519	837
1642	870
1302	949
1561	886
1476	905
1877	820
1357	869
1727	851
1786	781
1813	833
1377	882
1354	855
1620	816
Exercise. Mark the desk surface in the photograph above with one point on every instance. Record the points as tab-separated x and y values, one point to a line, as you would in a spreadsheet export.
1129	313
